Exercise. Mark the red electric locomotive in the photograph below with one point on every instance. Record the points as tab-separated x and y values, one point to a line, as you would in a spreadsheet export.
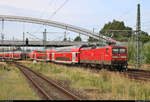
108	56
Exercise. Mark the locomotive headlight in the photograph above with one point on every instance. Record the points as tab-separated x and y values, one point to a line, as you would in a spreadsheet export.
114	56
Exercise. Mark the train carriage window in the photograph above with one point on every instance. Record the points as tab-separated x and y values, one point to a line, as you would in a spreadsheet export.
107	50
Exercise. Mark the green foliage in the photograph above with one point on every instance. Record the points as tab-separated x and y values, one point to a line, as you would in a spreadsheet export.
131	50
65	39
146	52
13	86
108	28
91	39
145	37
78	38
118	35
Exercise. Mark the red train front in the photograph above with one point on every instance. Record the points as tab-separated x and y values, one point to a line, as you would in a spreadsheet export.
119	57
108	56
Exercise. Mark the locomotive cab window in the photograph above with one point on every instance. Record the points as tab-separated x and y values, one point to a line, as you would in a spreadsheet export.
122	51
115	50
107	50
76	54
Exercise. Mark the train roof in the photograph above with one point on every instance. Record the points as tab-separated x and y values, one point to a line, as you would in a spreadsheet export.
85	46
67	49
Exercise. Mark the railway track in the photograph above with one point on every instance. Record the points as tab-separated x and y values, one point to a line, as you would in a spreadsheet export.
49	89
136	74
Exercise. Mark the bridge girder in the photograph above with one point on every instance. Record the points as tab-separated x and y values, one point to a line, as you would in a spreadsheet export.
56	24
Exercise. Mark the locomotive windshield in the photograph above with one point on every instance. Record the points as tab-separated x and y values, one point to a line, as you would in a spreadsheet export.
118	51
122	51
115	51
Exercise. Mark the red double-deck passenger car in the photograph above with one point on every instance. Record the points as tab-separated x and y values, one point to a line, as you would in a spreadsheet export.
66	55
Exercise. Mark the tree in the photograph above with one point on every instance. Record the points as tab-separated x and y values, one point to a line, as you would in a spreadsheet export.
110	27
78	38
144	37
123	33
146	52
91	39
65	39
131	50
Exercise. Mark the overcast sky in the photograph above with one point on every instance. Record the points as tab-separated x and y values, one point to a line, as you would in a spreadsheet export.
83	13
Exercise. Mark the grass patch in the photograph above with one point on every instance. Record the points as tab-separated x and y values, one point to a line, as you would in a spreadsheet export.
143	66
13	86
103	85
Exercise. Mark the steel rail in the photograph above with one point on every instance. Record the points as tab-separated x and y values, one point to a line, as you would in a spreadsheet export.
74	97
36	85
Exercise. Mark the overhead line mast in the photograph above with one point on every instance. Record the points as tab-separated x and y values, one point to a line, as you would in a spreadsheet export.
2	33
137	40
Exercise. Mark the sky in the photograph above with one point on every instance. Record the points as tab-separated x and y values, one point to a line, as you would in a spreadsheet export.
87	14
